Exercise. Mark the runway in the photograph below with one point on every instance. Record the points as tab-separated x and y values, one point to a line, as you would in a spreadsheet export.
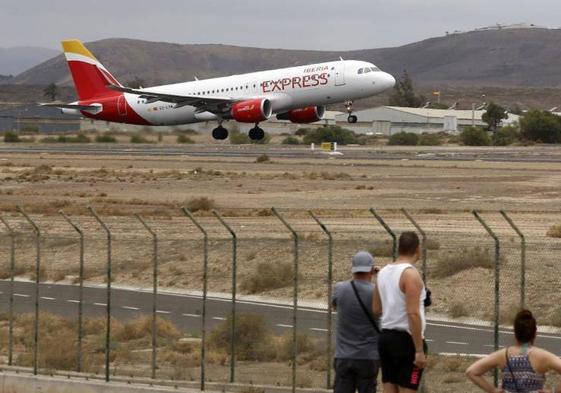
547	154
184	311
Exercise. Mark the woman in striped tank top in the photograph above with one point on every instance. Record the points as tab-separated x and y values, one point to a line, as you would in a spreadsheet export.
523	365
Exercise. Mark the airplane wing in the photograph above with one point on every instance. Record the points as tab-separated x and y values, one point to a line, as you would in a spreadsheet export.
213	104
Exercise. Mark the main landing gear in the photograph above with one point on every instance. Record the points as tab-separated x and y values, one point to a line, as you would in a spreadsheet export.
220	133
256	133
352	118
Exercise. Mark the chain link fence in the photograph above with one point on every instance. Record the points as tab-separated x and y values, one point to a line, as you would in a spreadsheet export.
205	300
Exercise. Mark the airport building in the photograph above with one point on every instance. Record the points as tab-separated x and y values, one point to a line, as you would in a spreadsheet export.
388	120
33	118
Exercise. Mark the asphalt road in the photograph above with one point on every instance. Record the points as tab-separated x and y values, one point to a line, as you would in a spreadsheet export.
549	154
185	312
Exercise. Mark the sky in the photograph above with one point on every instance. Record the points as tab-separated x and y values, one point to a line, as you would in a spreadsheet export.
289	24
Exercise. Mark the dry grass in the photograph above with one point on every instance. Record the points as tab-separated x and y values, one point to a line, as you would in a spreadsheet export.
268	276
452	262
554	231
201	204
458	310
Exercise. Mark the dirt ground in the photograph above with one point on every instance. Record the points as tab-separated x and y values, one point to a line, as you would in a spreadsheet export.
439	194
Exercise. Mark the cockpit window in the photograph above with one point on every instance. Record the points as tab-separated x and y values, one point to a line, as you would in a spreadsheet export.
366	70
375	69
360	71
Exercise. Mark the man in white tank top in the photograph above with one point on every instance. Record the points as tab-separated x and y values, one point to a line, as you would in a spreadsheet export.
399	296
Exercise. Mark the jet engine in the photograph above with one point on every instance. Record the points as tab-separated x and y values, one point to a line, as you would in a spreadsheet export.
252	111
309	114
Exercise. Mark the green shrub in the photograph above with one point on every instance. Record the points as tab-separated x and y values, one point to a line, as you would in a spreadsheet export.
105	138
182	138
290	140
404	139
268	276
302	131
506	136
331	134
81	138
137	138
430	140
241	138
541	126
11	137
49	139
475	136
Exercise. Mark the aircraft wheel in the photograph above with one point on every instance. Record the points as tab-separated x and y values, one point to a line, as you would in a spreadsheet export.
352	119
220	133
256	134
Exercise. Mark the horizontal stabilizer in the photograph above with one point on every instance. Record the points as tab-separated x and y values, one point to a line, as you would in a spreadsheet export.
93	109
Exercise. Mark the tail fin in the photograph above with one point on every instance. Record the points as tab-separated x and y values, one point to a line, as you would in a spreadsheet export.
91	78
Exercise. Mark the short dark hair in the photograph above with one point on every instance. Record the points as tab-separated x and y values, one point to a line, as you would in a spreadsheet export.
525	327
408	243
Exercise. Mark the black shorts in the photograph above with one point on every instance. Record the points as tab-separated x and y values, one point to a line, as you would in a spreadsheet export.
397	354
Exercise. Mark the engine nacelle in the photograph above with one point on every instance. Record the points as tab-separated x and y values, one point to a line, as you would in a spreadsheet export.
310	114
252	111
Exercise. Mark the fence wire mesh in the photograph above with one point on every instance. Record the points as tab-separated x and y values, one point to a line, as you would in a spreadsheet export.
161	337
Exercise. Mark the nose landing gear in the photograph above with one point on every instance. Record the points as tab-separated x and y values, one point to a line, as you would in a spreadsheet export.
352	118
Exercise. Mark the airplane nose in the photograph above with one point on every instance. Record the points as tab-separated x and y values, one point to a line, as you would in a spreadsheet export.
389	81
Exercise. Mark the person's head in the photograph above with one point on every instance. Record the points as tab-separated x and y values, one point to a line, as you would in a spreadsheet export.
362	265
409	245
525	327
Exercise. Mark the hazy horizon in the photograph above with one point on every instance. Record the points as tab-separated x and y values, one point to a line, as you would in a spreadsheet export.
310	25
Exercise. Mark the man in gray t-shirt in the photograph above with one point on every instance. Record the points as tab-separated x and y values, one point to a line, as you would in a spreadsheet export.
356	354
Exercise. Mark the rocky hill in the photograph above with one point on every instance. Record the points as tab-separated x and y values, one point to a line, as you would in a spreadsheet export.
512	57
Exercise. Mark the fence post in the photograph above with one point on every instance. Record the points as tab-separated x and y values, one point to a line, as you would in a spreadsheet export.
522	257
12	235
109	278
329	294
155	260
37	279
205	290
388	230
81	291
234	292
497	283
423	243
295	297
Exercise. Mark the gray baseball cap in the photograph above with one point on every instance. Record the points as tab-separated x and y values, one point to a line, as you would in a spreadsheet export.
363	262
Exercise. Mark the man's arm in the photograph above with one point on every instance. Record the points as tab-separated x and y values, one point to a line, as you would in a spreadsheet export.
376	301
334	298
412	287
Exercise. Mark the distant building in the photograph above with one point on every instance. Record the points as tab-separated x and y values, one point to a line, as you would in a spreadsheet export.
33	118
388	120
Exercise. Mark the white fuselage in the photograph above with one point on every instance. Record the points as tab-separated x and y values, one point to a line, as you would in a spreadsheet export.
287	89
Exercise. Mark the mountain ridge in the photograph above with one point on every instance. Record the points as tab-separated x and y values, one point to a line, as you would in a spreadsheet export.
510	57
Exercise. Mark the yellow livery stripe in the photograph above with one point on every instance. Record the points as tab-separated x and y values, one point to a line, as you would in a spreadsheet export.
75	46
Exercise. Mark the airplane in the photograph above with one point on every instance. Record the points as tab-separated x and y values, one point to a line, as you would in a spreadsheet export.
298	94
